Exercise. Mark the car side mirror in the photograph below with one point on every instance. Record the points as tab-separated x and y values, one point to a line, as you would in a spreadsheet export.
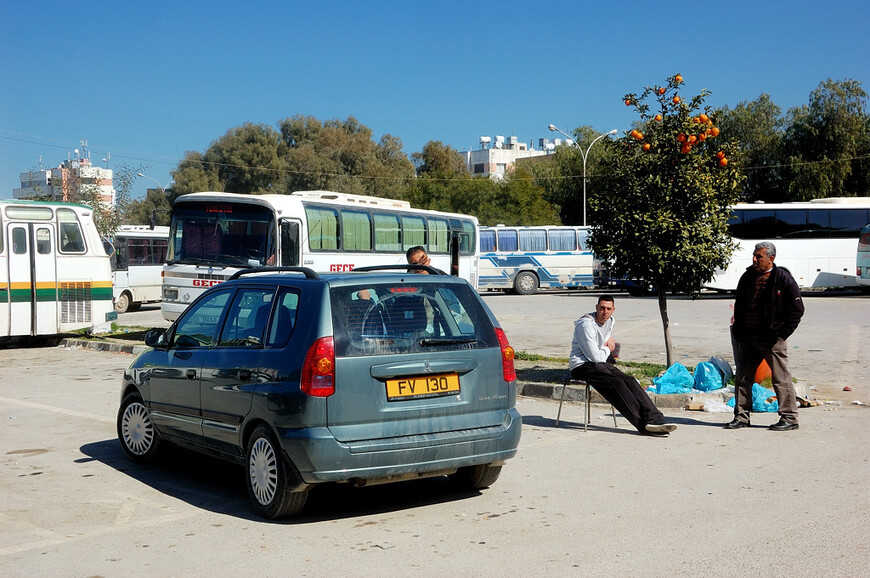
156	338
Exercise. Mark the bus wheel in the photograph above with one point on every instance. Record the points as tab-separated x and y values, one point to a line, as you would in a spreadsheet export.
525	283
122	303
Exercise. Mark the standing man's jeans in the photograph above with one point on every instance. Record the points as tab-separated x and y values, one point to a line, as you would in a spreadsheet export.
749	355
621	390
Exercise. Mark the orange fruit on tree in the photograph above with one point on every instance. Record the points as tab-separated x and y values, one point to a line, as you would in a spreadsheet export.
685	148
720	154
645	146
714	131
691	139
678	79
661	91
703	118
627	102
723	162
676	100
702	137
681	137
658	118
638	135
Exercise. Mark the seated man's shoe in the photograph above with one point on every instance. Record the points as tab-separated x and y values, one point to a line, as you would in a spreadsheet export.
736	424
783	425
659	427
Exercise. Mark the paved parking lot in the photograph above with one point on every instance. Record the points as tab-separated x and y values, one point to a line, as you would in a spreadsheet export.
607	502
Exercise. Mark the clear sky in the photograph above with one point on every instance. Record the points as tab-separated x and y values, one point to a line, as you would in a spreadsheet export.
148	81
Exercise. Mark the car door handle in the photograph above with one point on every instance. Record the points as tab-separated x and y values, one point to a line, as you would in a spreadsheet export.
244	374
191	374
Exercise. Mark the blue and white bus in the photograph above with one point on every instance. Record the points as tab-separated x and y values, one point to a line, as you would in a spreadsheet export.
522	259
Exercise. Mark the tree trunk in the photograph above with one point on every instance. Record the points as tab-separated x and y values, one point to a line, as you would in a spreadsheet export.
666	324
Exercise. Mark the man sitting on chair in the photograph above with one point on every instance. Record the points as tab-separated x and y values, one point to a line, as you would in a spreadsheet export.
592	351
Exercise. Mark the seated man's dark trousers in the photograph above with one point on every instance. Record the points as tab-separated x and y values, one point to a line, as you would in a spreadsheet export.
621	390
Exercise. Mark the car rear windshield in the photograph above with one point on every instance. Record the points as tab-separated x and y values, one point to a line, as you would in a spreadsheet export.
382	319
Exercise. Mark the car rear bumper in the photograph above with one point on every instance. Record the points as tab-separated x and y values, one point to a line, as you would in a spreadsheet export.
319	457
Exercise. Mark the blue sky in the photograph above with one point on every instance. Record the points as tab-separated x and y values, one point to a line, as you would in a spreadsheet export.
148	81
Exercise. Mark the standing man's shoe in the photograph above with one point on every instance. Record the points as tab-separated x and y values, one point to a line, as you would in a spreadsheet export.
783	425
736	424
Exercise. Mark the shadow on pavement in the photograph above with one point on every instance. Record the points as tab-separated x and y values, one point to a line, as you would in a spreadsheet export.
219	486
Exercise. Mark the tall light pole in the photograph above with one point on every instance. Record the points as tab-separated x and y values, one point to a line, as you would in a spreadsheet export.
585	153
162	190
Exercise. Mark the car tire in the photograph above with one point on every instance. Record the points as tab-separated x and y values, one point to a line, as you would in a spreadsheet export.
267	478
139	440
525	283
476	477
122	303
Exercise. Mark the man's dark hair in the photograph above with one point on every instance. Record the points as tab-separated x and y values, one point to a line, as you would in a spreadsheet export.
605	297
412	250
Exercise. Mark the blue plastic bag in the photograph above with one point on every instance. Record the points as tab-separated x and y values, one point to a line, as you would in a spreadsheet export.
676	379
760	395
707	377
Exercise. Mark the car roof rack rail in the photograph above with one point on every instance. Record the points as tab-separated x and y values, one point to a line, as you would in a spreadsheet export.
408	268
309	273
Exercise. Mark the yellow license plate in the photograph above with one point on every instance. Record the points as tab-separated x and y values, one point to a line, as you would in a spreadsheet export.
422	386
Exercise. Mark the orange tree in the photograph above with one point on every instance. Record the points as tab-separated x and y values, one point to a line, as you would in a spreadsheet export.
663	218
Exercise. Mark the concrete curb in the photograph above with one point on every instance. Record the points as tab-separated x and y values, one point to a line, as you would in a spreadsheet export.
112	346
525	388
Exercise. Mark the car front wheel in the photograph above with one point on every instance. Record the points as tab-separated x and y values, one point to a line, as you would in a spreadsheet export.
267	478
136	432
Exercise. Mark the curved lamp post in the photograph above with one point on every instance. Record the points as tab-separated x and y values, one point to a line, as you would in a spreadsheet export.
162	190
585	153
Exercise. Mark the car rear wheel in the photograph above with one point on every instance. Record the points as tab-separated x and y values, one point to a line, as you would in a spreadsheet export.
267	478
136	432
477	477
525	283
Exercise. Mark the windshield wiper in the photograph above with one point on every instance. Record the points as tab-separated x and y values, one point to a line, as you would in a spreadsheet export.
431	341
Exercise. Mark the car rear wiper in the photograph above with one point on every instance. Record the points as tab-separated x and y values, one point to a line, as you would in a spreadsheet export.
431	341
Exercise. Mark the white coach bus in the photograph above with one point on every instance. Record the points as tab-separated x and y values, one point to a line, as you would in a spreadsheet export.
213	235
817	241
137	265
521	259
55	275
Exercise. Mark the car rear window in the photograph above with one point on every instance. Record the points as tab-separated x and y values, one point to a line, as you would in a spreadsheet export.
383	319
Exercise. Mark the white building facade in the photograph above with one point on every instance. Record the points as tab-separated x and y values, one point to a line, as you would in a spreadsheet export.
67	182
497	156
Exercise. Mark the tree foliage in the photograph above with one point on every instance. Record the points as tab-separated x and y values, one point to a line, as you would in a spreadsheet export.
672	179
302	154
444	184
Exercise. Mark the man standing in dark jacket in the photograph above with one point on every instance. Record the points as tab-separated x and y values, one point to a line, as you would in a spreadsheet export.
767	309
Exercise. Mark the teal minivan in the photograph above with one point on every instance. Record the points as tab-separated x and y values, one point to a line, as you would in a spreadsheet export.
305	378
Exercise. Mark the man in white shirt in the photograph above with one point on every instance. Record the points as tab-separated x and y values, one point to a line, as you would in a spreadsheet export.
592	360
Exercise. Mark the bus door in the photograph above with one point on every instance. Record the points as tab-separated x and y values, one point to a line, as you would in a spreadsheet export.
32	279
289	239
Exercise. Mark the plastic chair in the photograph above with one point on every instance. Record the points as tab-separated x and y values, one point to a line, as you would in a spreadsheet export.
569	381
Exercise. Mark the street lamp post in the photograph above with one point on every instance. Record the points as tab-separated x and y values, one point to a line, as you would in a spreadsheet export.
162	190
585	153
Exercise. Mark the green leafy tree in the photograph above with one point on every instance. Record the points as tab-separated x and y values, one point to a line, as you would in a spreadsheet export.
156	205
759	127
665	216
827	144
341	156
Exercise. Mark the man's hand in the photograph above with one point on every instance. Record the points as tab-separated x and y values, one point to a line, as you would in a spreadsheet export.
610	344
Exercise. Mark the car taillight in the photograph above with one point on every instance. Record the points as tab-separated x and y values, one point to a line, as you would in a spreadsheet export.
318	371
507	356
